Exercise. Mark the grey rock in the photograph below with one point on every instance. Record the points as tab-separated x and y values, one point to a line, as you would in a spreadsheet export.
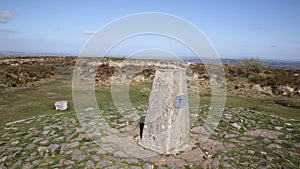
53	147
59	139
45	142
274	146
69	162
90	164
36	162
103	163
3	166
18	163
30	146
2	142
78	155
135	167
197	129
67	132
95	158
131	160
271	134
15	142
235	125
148	166
2	159
113	167
27	166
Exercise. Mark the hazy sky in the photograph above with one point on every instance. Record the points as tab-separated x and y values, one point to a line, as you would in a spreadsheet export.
242	28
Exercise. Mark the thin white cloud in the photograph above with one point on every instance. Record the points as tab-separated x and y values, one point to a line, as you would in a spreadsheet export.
89	32
7	31
5	16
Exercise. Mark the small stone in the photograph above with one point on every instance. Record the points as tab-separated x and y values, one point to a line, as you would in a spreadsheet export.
216	162
46	156
27	166
3	166
15	142
192	156
112	167
68	162
120	154
45	132
2	159
226	165
103	163
131	160
266	140
41	149
73	144
59	139
67	132
197	130
18	163
79	130
77	155
263	153
45	142
230	135
278	128
53	147
148	166
235	125
288	124
2	142
271	134
274	146
90	164
30	146
251	152
61	105
95	158
36	162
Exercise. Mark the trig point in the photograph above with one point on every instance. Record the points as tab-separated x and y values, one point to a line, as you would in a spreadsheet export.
166	124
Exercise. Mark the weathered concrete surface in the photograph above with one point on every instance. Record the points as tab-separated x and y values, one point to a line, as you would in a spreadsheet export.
167	123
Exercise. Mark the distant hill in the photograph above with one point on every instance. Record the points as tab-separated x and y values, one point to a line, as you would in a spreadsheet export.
269	63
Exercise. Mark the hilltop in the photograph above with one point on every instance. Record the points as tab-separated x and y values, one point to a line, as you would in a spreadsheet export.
259	127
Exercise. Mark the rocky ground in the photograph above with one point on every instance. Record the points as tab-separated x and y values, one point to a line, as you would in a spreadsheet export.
243	139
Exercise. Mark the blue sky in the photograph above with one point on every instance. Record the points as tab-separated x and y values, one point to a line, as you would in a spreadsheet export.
261	28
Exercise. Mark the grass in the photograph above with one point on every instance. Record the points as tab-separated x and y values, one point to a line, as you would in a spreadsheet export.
266	106
19	103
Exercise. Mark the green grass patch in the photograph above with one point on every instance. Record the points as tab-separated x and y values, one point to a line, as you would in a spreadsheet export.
266	106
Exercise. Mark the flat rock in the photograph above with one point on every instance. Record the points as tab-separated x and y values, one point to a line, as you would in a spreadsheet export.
103	163
195	156
271	134
78	155
235	125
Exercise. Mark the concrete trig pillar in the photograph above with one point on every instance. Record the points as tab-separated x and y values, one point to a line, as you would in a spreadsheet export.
166	124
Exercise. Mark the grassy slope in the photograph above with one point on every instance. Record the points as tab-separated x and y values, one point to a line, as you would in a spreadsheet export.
16	104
